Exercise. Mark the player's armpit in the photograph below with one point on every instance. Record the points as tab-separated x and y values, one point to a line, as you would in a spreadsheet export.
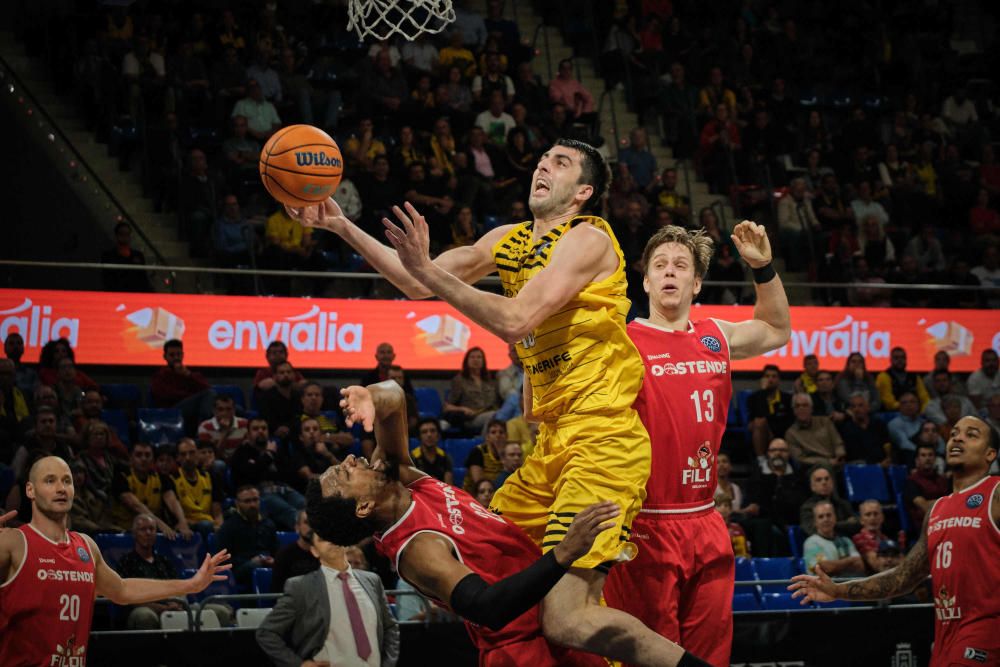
471	263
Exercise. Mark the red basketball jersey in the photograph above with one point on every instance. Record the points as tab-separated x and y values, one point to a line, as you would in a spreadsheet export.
683	404
963	542
46	608
486	543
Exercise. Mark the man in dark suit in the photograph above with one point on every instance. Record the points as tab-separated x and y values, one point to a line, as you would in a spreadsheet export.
364	632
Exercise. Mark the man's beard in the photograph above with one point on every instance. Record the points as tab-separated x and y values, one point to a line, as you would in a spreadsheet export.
51	514
955	467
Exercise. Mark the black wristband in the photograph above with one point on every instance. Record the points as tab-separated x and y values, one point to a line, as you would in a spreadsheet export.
688	660
764	274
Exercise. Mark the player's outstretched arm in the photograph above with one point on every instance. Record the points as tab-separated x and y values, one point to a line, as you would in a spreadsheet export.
381	407
468	263
430	564
897	581
138	591
583	254
771	325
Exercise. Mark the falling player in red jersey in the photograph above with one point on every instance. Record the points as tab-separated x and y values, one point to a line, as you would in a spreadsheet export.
685	566
958	548
446	544
49	577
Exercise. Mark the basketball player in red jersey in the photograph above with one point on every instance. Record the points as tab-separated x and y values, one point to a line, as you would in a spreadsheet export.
958	548
446	544
50	576
685	566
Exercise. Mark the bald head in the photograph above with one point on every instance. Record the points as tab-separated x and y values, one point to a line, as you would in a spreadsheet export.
50	465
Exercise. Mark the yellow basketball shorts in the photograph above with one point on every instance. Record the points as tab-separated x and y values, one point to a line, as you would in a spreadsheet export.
579	460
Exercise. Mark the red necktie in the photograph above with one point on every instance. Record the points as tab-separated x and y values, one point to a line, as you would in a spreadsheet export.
354	613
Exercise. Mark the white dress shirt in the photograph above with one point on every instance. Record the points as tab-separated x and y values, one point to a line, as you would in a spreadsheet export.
340	649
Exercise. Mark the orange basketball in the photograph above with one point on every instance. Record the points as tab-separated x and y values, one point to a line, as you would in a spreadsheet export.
301	165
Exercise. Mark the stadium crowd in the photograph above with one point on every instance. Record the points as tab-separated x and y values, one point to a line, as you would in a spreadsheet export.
867	155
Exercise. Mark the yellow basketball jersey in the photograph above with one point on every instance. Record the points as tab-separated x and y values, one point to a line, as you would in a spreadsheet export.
580	360
195	498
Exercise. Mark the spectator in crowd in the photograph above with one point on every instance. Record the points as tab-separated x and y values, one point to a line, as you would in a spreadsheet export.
725	486
224	430
91	512
826	403
924	484
951	407
48	364
988	274
492	80
484	491
397	375
770	411
663	194
309	455
295	559
13	412
100	468
140	489
124	253
25	377
806	382
145	562
894	381
288	245
43	439
428	455
831	211
198	198
993	411
724	506
420	56
984	382
199	497
485	460
638	158
262	117
868	539
177	386
866	440
521	431
259	463
67	390
335	615
778	490
905	426
387	90
337	441
511	379
233	238
856	378
822	489
566	90
836	553
249	538
45	396
719	145
261	72
385	357
276	353
475	395
941	386
511	457
798	226
279	405
865	206
812	439
145	73
942	362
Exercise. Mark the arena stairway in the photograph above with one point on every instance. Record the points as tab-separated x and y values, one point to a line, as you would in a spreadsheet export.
159	228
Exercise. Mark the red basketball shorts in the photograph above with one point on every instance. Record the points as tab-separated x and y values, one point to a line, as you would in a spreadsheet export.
681	583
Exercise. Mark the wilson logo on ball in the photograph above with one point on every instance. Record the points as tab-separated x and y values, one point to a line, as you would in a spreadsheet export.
308	159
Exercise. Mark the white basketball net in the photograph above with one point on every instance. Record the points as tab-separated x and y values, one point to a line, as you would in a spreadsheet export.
382	19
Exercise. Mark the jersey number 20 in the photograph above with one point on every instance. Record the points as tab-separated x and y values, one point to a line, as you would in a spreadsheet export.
70	607
704	405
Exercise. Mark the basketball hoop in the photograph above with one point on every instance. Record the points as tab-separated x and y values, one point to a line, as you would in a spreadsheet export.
382	19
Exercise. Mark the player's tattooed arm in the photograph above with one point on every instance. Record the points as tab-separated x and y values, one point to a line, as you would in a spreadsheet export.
899	580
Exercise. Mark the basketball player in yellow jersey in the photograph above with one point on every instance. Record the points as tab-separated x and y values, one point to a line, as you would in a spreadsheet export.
564	305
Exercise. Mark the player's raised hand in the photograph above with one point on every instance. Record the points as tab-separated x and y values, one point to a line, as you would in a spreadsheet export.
586	526
213	568
819	588
324	215
411	238
752	244
358	407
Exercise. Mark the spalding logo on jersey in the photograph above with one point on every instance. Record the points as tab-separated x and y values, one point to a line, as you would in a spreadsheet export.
712	343
82	553
974	501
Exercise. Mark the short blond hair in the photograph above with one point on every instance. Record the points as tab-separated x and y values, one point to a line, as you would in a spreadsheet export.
697	241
